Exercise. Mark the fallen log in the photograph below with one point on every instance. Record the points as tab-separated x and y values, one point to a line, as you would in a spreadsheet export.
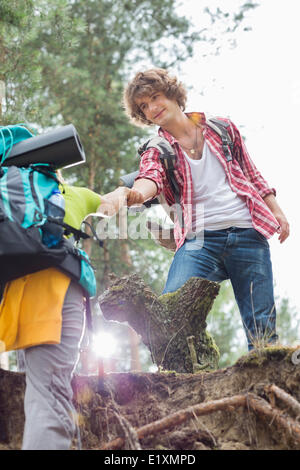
172	326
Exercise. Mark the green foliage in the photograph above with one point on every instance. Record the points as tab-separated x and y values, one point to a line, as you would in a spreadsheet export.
234	20
27	28
288	323
15	12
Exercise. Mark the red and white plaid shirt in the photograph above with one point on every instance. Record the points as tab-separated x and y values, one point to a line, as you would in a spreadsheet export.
242	175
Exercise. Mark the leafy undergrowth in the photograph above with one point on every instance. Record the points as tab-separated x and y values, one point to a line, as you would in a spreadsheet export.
125	402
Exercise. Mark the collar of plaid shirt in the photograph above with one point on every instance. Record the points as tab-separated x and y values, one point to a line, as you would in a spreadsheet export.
242	175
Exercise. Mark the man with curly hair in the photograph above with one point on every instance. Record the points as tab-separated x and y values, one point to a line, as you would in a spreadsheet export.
238	210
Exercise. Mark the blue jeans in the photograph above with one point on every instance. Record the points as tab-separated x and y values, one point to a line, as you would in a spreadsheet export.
243	256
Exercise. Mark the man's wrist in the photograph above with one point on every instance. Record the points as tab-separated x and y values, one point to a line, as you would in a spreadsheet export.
146	187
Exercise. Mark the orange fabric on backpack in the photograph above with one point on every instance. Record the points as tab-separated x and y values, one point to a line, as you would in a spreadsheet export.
31	310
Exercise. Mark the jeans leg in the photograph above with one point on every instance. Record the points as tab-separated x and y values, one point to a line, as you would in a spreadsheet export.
197	258
49	412
250	270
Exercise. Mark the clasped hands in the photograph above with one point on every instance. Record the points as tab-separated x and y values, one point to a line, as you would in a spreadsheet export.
112	202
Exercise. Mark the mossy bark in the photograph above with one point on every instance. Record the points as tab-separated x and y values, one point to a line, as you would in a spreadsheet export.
172	326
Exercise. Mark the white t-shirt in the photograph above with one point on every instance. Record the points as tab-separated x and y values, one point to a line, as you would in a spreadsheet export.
215	205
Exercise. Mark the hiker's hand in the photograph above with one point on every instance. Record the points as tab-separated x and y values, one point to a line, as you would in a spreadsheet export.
134	197
106	208
164	237
272	204
120	197
127	197
284	226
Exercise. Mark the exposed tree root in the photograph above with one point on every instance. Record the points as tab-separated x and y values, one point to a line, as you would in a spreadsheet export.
131	441
180	417
263	409
286	398
251	401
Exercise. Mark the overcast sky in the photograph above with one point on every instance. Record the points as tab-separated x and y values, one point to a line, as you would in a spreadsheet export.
257	85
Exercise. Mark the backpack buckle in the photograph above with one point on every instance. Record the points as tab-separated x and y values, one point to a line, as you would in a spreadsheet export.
227	152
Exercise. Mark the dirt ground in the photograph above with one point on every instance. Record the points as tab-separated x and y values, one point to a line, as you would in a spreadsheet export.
123	401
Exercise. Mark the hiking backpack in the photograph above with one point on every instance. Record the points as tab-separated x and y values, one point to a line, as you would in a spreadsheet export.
24	199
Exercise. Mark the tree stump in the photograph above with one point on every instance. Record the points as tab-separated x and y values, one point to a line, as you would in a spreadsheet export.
172	326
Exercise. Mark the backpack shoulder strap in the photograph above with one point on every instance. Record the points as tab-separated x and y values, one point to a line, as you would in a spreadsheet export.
168	158
220	127
166	154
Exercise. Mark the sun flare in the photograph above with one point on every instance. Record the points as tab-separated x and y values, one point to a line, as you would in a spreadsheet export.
104	344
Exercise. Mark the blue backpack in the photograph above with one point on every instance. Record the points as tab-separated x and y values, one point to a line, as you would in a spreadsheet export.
24	203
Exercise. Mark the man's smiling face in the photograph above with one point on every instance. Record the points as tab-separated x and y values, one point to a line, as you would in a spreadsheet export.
157	108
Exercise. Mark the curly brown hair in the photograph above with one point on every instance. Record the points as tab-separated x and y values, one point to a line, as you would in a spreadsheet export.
144	84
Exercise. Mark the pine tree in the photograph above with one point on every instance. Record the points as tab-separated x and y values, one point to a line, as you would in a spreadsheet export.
26	29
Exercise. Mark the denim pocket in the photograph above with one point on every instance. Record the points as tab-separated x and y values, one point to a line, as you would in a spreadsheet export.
195	244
